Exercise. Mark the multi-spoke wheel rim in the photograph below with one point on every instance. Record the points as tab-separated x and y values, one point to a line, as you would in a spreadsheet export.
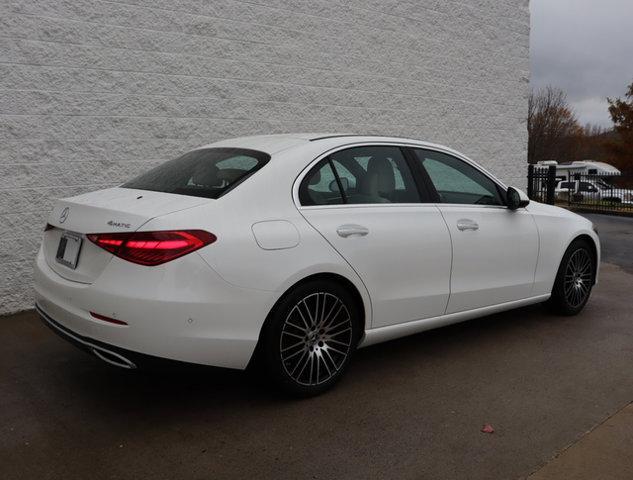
578	277
316	338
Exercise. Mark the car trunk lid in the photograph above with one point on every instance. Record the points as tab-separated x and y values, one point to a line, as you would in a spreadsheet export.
104	211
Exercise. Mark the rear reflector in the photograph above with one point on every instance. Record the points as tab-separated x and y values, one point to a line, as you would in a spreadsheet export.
107	319
152	248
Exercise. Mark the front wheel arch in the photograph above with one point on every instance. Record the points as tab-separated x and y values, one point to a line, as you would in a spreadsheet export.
594	252
567	299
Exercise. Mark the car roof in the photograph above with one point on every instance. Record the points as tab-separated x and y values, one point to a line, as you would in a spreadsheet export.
322	142
265	143
272	144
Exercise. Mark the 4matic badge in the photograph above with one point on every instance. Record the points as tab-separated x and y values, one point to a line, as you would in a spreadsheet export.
112	223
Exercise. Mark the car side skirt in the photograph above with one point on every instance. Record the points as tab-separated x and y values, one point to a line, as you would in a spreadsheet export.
390	332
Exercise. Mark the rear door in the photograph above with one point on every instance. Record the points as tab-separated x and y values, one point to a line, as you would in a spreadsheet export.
366	203
495	249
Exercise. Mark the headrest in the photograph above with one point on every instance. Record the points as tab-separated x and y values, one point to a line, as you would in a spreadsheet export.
230	175
380	168
205	174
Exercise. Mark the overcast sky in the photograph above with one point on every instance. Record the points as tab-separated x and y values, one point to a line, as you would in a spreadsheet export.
584	47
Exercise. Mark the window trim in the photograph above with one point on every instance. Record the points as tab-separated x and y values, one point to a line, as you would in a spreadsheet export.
426	197
338	180
422	178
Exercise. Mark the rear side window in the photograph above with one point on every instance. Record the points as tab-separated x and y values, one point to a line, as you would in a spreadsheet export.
320	186
568	185
360	175
208	172
375	174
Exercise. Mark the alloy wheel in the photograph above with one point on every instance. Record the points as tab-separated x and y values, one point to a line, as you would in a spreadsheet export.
316	338
578	277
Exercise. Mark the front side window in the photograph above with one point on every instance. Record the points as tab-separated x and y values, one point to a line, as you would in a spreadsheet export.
457	181
208	172
568	185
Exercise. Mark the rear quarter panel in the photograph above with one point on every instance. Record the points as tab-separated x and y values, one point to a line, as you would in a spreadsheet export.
239	259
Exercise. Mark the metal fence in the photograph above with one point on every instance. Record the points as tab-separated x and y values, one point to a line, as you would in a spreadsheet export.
542	183
579	190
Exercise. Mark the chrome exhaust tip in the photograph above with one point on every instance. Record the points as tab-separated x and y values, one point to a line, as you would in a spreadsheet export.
113	358
107	356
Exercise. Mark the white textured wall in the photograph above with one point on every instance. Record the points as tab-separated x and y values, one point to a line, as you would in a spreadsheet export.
92	92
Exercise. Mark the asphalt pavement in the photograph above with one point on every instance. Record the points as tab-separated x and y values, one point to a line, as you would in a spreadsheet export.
408	409
604	453
616	237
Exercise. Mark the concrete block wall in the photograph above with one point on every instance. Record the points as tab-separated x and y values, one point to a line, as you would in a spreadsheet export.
93	92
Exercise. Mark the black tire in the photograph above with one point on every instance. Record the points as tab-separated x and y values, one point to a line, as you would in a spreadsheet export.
574	279
306	352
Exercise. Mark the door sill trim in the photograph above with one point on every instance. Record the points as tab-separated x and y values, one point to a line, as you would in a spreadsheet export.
390	332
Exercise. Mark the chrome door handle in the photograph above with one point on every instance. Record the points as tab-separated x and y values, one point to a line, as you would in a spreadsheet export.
352	230
467	224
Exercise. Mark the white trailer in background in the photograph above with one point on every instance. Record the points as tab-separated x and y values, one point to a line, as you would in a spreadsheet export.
587	180
566	171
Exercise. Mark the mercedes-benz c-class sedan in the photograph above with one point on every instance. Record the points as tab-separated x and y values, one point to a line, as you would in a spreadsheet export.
291	251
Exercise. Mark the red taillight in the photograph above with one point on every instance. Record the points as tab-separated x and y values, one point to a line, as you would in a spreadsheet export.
152	248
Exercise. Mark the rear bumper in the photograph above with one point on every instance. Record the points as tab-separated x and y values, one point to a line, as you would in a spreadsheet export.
183	312
108	353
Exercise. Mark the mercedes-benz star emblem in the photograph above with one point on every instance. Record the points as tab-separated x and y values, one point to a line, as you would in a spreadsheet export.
64	215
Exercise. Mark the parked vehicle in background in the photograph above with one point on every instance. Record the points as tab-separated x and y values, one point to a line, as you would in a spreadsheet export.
587	184
567	171
290	251
594	189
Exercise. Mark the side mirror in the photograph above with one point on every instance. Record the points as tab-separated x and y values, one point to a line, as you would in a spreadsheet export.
516	198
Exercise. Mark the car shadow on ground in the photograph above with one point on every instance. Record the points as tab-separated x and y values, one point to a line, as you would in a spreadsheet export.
160	386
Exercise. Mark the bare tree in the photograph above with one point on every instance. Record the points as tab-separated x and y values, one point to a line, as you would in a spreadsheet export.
552	126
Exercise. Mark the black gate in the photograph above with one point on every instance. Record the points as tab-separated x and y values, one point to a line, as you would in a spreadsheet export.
600	194
581	191
542	183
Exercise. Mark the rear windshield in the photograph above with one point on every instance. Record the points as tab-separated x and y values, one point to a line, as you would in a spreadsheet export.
208	172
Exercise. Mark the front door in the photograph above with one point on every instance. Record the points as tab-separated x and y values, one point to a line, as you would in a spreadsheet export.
495	249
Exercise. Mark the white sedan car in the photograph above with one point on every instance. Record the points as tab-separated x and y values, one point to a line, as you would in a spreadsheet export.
290	251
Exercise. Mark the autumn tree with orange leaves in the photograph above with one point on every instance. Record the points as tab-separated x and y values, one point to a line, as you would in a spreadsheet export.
621	145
